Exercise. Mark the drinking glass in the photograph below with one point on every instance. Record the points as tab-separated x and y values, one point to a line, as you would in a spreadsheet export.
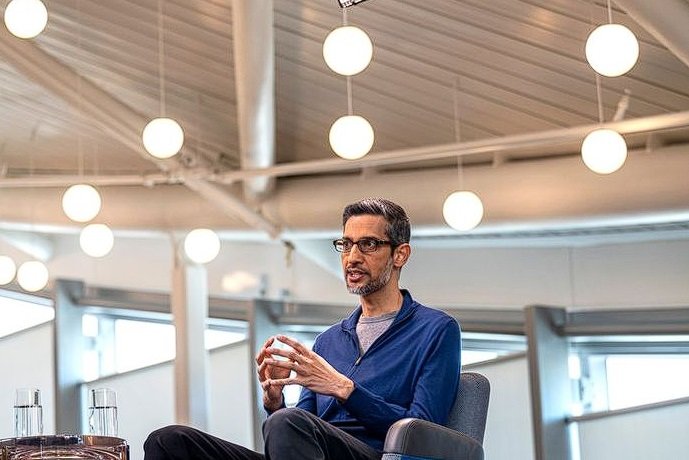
28	413
102	412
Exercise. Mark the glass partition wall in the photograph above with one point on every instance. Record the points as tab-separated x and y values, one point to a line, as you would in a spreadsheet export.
611	364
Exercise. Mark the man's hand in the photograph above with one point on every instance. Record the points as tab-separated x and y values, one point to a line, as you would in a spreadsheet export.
267	375
311	370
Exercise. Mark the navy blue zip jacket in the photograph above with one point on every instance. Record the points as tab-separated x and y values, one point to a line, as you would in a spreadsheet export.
411	370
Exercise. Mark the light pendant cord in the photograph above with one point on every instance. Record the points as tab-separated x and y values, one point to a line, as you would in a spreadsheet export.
80	148
609	13
161	59
599	97
457	129
350	110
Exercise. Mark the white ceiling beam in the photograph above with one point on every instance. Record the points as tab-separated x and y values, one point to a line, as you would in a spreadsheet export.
437	152
122	122
666	21
254	66
33	181
36	246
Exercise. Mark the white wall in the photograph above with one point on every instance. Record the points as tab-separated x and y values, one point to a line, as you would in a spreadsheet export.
653	434
26	361
631	274
509	433
145	398
146	264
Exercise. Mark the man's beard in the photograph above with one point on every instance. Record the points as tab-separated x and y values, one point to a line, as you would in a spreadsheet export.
373	285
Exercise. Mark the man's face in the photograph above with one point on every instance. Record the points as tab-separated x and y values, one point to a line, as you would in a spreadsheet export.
366	273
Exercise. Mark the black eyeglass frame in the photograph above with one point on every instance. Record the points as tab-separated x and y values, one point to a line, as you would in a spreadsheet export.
378	244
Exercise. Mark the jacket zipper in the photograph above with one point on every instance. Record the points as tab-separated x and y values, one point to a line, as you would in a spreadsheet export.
387	331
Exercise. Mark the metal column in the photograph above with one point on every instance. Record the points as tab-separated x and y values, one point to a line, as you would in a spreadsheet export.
68	349
262	324
189	306
548	352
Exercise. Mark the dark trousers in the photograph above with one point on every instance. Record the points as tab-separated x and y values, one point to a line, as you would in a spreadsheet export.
288	433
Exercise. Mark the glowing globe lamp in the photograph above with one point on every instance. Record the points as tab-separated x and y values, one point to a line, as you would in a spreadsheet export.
347	50
32	276
463	210
7	270
612	50
96	240
201	245
26	18
81	202
163	137
604	151
351	137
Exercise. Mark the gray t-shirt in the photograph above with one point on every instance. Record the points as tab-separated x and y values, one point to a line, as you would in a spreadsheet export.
368	329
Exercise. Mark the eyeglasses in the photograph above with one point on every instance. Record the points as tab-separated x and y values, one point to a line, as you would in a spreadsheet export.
364	244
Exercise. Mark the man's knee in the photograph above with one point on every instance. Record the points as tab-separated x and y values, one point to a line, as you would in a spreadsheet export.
285	420
166	436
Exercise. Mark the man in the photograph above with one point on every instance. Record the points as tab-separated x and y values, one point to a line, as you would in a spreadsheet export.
392	358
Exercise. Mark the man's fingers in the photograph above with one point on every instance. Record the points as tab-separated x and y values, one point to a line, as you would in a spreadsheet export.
289	354
279	363
262	372
262	354
283	382
298	347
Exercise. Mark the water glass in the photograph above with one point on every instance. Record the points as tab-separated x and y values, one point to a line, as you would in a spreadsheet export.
28	413
102	412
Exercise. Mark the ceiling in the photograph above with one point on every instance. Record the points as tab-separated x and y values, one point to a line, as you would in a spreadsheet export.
503	85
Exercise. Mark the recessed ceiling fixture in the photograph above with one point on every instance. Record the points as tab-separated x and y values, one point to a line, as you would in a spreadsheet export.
26	18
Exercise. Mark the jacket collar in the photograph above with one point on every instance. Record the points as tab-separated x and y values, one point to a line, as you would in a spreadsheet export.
408	307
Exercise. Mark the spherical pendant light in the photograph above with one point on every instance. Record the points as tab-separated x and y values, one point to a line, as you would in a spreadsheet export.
7	270
604	151
96	240
163	137
612	50
347	50
32	276
351	137
81	202
201	245
26	18
463	210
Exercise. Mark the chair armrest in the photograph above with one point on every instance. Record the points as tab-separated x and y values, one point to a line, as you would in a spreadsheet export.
421	438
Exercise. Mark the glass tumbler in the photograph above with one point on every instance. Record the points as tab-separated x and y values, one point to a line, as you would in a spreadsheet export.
102	412
28	413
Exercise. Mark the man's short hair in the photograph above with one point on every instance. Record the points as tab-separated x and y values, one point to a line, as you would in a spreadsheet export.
398	229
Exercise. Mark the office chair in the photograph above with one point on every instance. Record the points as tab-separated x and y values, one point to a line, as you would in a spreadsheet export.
460	439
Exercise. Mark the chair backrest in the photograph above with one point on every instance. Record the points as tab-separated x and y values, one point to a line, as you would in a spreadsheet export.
470	409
